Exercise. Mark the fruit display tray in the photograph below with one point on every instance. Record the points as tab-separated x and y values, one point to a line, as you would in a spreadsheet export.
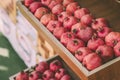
108	9
65	66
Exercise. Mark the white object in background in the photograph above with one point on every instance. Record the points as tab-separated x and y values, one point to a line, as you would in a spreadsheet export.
27	28
9	30
27	46
4	26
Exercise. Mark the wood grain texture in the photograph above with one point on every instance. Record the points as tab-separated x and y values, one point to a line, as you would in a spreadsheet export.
108	9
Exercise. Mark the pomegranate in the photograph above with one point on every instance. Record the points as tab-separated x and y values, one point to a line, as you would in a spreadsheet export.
94	42
55	65
28	2
66	37
22	76
72	7
53	24
81	52
34	75
103	31
92	61
46	2
85	33
63	15
40	12
58	31
46	18
54	2
105	52
81	12
66	2
99	22
59	73
66	77
87	19
112	38
34	6
57	9
52	79
69	21
47	75
76	28
117	49
42	66
74	44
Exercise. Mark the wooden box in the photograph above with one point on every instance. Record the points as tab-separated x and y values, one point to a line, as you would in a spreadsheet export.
65	66
109	9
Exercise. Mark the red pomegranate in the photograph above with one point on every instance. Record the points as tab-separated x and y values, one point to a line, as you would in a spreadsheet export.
117	49
92	61
112	38
40	12
81	12
81	52
74	44
105	52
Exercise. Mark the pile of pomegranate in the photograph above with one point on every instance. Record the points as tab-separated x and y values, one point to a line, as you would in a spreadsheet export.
89	39
45	71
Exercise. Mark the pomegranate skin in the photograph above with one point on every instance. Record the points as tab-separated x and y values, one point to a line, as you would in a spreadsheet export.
58	31
47	75
69	21
46	2
60	73
63	15
117	49
81	12
81	52
66	37
53	24
102	32
92	61
34	75
46	18
99	22
105	52
85	33
55	65
112	38
41	67
22	76
34	6
66	2
57	9
66	77
40	12
74	44
72	7
87	19
94	43
54	2
75	29
28	2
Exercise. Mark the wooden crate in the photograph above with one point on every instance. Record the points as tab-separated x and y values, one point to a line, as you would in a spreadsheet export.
109	70
45	49
67	68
